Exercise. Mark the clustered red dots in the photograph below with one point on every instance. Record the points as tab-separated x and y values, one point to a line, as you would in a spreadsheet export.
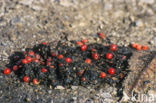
139	47
84	41
82	64
31	53
79	43
24	61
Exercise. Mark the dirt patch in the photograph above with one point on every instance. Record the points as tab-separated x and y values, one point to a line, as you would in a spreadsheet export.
26	23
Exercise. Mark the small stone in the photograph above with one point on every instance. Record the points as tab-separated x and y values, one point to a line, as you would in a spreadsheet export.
65	3
96	97
97	39
114	92
118	14
16	20
133	18
37	97
89	101
74	87
125	97
148	1
150	12
34	36
74	98
1	92
4	44
154	39
50	86
139	23
36	90
5	53
108	100
26	2
23	49
49	91
100	26
59	87
93	21
108	6
51	101
152	42
152	92
28	99
106	95
12	37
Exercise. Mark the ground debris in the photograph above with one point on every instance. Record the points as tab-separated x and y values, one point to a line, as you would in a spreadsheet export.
142	76
89	64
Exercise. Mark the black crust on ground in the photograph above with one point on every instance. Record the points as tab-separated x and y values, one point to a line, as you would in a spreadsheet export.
68	74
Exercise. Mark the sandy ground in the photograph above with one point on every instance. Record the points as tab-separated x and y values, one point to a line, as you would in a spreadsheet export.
24	23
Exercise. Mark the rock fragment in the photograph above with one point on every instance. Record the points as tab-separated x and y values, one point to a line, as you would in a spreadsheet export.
143	73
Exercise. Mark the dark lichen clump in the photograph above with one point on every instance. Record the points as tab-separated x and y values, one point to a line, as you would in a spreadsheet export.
67	65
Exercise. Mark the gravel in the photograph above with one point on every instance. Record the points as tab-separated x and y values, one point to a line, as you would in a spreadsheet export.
25	23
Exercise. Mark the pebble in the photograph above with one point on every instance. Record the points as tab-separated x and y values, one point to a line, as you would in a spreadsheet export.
150	12
97	39
118	14
34	36
154	39
51	101
65	3
93	21
114	92
96	97
152	92
108	100
125	97
49	91
101	26
26	2
59	87
152	42
74	98
3	44
37	97
108	6
1	92
12	37
106	95
139	23
23	49
15	20
28	99
89	101
5	53
74	87
148	1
